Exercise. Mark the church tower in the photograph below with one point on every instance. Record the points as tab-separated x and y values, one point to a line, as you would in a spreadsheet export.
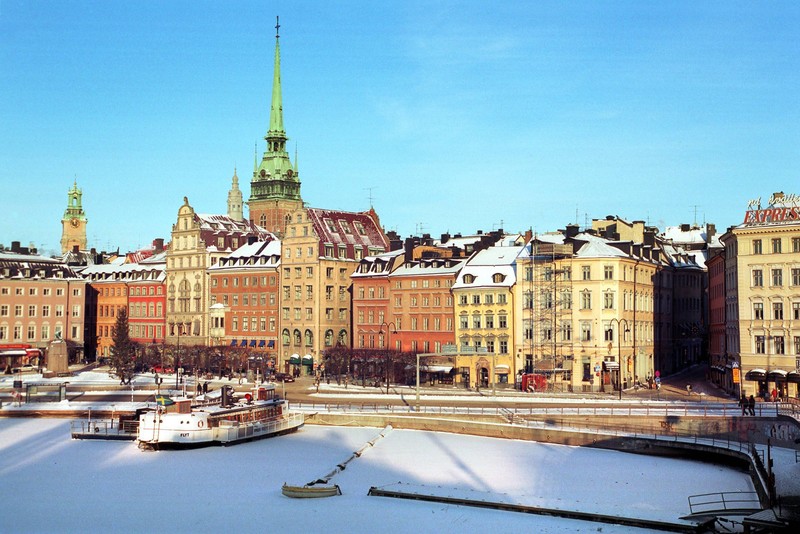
275	187
235	200
74	221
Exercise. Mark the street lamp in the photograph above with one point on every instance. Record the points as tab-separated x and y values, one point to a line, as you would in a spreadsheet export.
178	354
388	346
619	349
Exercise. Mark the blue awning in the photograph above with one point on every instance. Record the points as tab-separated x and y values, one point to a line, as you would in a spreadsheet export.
271	344
233	343
243	343
261	343
252	342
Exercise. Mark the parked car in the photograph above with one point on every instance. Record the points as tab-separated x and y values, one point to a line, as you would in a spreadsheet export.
283	377
24	368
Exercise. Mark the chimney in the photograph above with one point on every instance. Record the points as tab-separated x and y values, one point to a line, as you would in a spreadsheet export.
408	255
711	231
251	239
76	249
158	244
445	238
572	230
685	227
15	246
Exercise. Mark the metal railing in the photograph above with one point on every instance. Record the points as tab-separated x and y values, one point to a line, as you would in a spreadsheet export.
733	501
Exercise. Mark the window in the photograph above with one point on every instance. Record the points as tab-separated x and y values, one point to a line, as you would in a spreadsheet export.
468	279
476	299
489	321
4	310
796	311
586	272
487	299
476	321
760	345
758	311
758	278
608	300
777	277
464	322
503	346
502	321
780	347
501	298
776	245
796	277
608	272
756	246
586	331
586	300
777	310
796	244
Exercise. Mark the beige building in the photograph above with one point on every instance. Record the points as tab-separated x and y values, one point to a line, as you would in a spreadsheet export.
762	289
198	242
321	249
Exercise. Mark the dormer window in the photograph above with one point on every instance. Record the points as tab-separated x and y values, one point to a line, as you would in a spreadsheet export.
498	278
345	227
359	228
469	278
329	225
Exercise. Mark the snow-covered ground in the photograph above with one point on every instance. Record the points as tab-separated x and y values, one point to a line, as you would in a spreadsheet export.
54	484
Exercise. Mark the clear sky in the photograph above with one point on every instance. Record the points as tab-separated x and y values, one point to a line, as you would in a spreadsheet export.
449	116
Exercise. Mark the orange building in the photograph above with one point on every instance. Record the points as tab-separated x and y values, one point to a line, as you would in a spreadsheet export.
244	298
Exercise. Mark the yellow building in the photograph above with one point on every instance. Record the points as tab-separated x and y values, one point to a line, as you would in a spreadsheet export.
483	300
762	277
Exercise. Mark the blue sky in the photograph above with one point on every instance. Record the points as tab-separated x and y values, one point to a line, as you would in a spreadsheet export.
453	116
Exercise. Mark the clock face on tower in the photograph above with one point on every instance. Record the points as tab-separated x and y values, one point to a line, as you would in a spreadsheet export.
75	223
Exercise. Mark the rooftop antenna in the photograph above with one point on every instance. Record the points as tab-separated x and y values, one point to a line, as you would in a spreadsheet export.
695	206
370	197
419	228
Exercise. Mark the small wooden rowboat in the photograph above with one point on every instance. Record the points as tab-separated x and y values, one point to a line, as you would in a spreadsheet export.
310	492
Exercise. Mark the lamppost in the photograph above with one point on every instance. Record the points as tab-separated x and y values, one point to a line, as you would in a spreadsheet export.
178	354
388	346
619	348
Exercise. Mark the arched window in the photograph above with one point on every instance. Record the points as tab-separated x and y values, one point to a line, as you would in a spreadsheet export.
342	340
297	338
285	336
309	338
329	338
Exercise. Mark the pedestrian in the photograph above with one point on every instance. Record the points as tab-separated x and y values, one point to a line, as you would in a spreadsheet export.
743	404
751	404
774	395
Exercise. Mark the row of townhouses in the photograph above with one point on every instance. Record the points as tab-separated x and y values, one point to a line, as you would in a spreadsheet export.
603	308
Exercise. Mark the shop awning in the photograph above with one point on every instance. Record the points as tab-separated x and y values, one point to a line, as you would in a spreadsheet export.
261	343
308	359
755	374
234	343
294	359
436	368
271	344
501	369
610	366
252	342
243	343
793	377
777	375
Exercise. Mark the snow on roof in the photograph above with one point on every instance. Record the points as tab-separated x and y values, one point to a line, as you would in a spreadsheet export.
430	267
597	247
491	267
343	227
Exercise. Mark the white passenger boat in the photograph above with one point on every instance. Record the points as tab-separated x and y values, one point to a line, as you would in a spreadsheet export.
184	423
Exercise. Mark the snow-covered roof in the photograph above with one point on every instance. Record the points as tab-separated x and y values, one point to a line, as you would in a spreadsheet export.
491	267
256	255
430	267
597	247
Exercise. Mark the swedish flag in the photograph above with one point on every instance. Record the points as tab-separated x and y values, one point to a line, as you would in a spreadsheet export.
162	400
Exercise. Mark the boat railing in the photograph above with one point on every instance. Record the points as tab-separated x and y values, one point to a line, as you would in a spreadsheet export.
103	428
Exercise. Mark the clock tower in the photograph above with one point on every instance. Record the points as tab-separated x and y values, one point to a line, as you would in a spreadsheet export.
73	222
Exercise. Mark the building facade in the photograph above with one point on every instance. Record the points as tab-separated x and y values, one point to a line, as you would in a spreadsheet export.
41	299
762	264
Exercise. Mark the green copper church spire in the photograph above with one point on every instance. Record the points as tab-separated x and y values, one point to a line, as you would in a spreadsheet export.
276	109
275	178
